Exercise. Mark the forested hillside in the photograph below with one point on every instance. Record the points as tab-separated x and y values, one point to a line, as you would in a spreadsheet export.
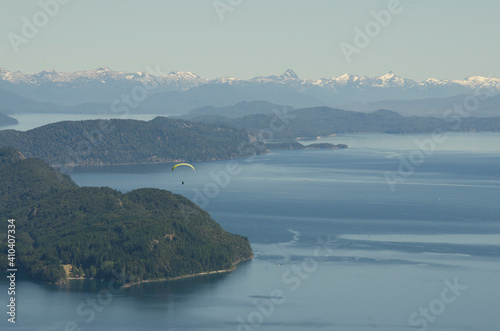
98	142
324	121
142	235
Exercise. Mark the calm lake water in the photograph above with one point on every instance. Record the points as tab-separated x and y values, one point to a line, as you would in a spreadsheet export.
384	235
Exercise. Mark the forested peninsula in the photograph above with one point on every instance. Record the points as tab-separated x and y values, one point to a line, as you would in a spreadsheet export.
120	141
143	235
7	120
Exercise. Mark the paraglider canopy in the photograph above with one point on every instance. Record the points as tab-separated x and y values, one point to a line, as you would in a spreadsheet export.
182	164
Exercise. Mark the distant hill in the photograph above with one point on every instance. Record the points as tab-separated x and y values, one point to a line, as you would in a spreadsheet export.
324	121
220	96
181	102
11	103
238	110
99	142
145	234
7	120
433	107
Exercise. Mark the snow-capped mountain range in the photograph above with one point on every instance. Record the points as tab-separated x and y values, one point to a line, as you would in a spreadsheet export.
103	85
183	80
175	79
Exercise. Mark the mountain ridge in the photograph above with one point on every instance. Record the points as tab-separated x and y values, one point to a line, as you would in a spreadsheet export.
324	121
387	79
103	85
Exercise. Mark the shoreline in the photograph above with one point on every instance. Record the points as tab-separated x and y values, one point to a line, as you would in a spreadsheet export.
71	166
59	166
190	275
339	135
68	279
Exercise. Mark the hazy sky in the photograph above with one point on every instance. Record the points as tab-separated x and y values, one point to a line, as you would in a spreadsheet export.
423	38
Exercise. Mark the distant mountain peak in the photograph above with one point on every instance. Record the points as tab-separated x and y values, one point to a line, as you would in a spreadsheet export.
389	75
290	74
103	69
3	71
48	73
184	74
347	77
390	79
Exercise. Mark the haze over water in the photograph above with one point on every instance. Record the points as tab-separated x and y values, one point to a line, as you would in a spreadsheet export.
341	249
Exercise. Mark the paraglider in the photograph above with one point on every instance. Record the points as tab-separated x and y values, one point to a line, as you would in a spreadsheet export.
183	164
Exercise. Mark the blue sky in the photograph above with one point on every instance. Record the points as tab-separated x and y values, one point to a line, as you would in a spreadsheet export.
440	39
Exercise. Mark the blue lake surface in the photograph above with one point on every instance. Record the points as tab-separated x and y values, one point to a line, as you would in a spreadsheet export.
384	235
